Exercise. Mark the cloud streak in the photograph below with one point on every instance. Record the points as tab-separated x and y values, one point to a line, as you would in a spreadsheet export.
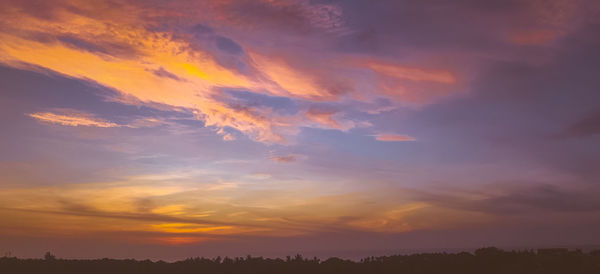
284	158
72	119
394	138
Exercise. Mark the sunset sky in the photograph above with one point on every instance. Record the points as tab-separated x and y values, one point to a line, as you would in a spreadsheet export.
171	129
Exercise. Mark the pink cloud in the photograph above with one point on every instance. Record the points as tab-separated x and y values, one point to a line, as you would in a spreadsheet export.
323	117
394	138
284	158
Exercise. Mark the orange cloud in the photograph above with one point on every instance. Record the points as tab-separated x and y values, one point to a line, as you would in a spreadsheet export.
323	117
74	119
194	76
394	138
286	80
156	68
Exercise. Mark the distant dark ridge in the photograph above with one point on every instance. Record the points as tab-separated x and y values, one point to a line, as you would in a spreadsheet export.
485	260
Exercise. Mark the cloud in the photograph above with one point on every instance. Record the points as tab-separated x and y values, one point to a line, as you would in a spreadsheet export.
394	138
588	125
73	119
411	73
409	84
152	61
544	197
228	137
228	45
162	72
289	16
284	158
98	46
184	208
174	56
147	122
534	37
271	68
548	21
166	71
289	79
325	118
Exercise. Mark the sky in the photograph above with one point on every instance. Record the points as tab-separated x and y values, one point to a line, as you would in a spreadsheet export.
172	129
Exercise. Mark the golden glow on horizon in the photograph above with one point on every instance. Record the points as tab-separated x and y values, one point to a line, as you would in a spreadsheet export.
202	212
187	228
178	240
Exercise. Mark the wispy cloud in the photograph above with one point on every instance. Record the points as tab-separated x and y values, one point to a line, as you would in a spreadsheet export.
73	119
394	138
76	118
284	158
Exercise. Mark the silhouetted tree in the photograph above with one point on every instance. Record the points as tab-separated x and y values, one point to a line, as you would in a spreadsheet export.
49	256
485	260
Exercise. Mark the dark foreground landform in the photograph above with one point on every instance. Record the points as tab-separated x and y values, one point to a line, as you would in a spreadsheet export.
485	260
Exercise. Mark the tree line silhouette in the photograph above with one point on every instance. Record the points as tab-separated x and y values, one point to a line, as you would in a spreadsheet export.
485	260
